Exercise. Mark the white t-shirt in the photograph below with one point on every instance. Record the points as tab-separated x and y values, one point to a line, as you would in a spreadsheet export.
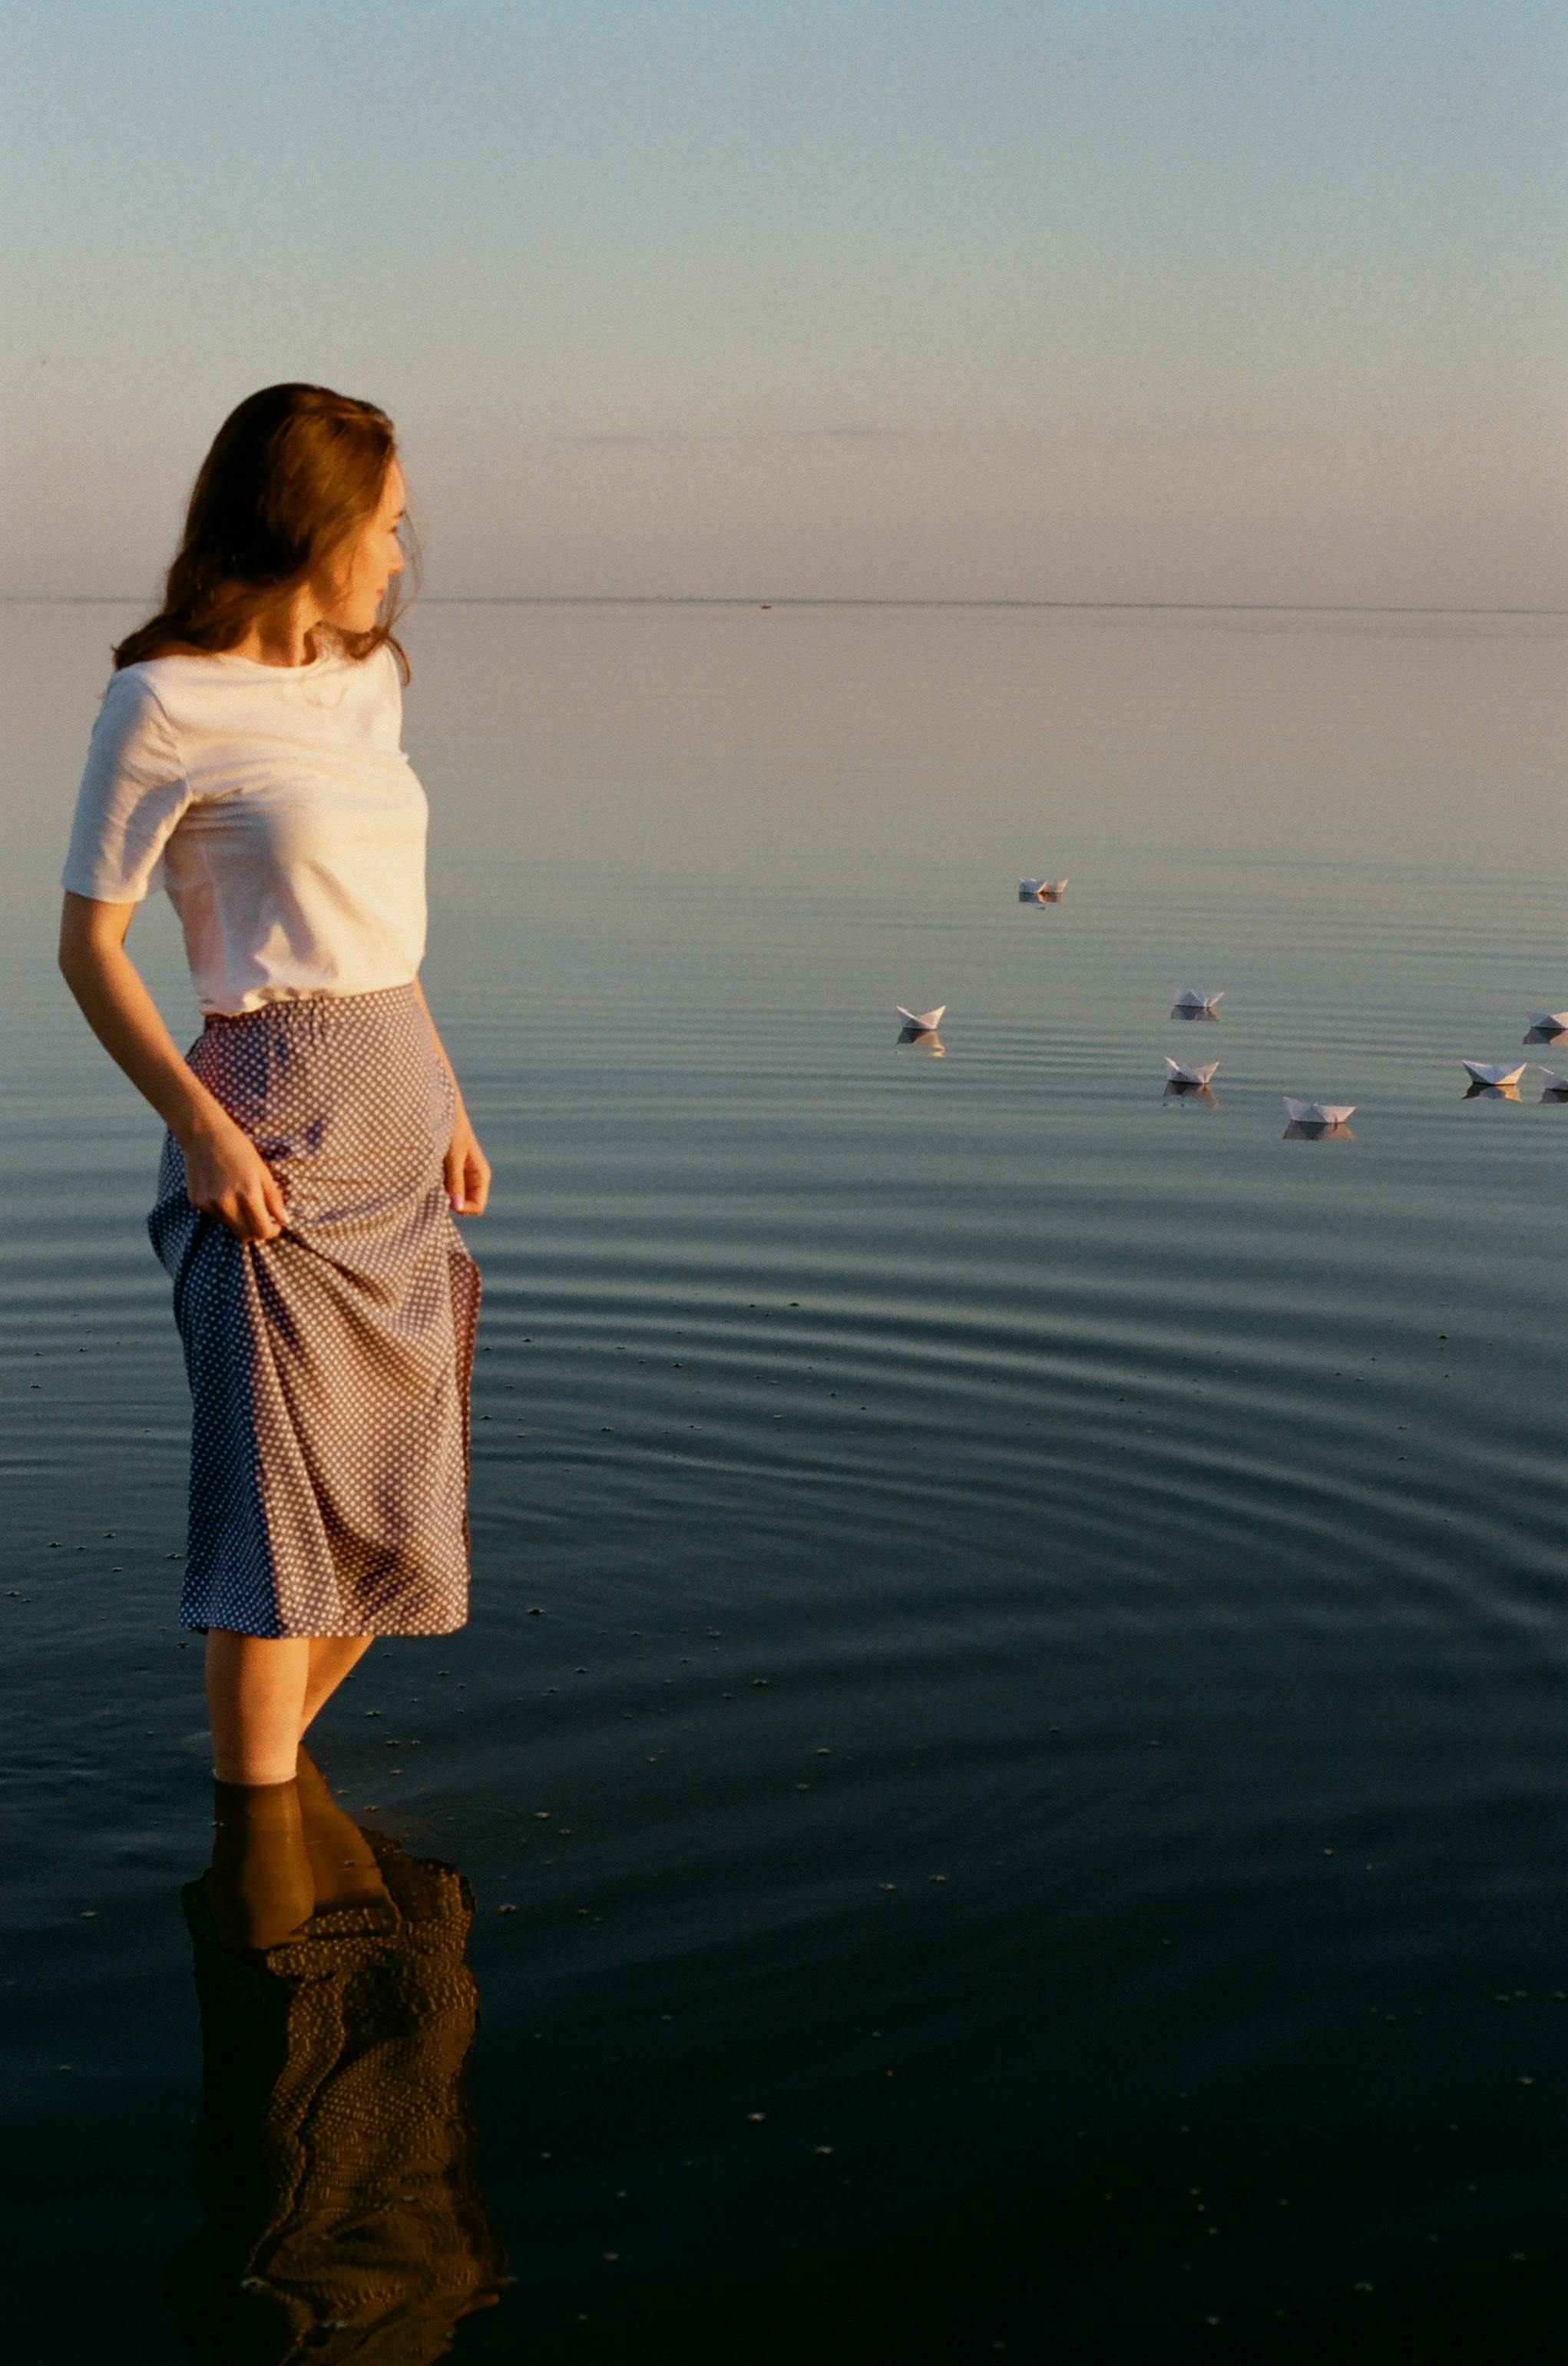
276	806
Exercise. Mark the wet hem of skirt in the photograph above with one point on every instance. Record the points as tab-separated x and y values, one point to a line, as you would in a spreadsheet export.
307	1634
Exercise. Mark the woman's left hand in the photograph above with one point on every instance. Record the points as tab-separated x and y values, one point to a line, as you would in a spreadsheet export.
466	1170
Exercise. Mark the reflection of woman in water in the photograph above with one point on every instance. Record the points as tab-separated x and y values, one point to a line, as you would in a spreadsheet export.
334	2156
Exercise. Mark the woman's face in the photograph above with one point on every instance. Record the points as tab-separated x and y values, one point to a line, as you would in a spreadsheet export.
353	599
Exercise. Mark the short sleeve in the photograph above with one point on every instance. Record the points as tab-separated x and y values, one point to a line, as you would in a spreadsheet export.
133	791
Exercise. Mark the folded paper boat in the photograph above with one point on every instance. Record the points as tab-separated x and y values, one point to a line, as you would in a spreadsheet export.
1190	999
1318	1112
924	1022
1550	1022
1493	1072
1552	1086
1177	1075
1038	891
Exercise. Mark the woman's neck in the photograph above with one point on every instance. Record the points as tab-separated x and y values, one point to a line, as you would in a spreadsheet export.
282	635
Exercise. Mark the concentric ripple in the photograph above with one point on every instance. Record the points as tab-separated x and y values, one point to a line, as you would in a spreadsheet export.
1016	1687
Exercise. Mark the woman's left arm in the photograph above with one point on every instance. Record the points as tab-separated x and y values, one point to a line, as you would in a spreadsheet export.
466	1167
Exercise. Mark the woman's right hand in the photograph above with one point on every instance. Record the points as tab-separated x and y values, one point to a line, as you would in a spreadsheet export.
227	1176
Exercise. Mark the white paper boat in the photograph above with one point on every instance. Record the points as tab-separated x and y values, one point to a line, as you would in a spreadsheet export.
1318	1112
1190	999
1040	890
1493	1072
924	1022
1177	1074
1552	1086
1550	1022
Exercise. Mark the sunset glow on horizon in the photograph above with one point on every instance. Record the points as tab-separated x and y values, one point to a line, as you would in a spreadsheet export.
1201	301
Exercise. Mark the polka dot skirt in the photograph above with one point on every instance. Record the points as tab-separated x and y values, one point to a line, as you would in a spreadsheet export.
330	1368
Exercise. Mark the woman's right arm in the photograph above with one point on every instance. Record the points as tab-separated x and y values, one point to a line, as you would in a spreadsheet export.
226	1175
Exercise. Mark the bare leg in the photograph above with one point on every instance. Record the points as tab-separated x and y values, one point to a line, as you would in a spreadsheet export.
255	1704
332	1657
281	1848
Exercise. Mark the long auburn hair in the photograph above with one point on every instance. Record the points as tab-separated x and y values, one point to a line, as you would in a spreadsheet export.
293	473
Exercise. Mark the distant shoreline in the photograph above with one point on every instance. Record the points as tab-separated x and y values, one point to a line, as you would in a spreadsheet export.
789	600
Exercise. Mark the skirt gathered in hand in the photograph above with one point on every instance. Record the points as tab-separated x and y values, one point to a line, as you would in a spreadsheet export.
330	1368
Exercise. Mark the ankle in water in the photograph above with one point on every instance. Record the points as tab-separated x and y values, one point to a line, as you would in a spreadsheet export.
259	1886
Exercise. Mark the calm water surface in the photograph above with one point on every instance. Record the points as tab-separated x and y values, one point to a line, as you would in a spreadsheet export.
1087	1876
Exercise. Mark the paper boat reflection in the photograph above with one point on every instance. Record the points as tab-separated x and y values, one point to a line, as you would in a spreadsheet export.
1319	1113
1479	1092
1197	1095
1298	1130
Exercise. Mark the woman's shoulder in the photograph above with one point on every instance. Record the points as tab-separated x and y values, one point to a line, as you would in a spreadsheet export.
156	677
134	734
134	698
178	674
180	695
152	698
219	688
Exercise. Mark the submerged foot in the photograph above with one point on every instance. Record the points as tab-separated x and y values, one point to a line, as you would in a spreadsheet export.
259	1886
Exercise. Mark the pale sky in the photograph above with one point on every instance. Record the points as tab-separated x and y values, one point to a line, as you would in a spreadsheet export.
1078	299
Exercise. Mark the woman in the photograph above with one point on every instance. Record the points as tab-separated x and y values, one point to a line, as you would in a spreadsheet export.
247	758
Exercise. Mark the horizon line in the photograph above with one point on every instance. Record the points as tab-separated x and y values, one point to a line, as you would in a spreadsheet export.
807	600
